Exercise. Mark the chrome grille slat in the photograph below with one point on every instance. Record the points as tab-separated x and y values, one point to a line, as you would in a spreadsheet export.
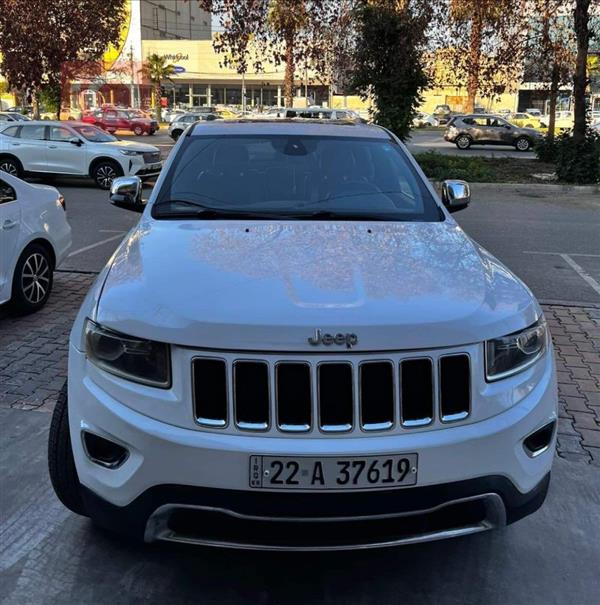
417	391
251	394
336	405
402	392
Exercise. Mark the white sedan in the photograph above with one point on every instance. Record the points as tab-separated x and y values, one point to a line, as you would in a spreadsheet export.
423	120
34	239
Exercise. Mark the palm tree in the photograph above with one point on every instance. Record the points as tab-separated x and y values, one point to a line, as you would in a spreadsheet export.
157	70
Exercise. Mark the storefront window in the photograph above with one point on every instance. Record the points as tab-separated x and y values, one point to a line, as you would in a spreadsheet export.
218	95
180	95
233	96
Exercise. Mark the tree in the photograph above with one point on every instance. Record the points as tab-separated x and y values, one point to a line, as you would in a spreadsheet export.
550	50
157	70
388	58
37	50
581	18
257	32
486	45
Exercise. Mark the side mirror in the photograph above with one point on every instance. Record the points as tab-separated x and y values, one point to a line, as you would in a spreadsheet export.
126	192
456	195
75	141
507	126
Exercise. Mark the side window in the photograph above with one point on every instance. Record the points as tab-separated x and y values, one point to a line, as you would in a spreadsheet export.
469	121
11	131
33	132
480	121
124	116
7	193
110	114
341	115
60	133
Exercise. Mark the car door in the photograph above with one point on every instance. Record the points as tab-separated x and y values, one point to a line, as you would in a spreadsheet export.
123	121
477	128
30	147
63	157
499	131
110	121
10	221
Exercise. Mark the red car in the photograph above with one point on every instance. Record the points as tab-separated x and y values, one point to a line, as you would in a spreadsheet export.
112	120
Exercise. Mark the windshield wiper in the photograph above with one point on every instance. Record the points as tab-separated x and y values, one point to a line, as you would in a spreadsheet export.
198	211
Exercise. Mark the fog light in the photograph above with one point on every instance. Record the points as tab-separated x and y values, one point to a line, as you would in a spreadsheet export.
103	451
538	442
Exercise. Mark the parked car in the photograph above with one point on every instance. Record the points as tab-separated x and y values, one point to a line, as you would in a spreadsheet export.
321	113
12	116
74	149
564	120
442	113
526	120
475	129
180	123
532	111
34	239
299	348
112	120
424	120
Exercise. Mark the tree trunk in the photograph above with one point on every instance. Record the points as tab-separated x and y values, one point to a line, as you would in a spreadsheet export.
474	61
157	107
582	32
36	105
288	81
554	82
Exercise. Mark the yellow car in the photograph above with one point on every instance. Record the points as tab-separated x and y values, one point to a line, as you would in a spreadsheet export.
526	120
227	114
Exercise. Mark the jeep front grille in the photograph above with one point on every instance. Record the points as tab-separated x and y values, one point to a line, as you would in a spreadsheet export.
356	394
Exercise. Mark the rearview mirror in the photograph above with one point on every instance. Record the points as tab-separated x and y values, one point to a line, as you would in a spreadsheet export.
75	141
126	192
456	195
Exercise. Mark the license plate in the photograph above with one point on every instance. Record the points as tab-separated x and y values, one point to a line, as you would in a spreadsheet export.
328	473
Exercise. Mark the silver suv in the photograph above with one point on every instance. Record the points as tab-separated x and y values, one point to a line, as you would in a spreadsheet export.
483	129
180	123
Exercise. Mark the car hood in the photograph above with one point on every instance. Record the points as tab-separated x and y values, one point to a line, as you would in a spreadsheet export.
133	146
268	285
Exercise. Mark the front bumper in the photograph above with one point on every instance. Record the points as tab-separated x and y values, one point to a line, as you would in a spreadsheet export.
307	522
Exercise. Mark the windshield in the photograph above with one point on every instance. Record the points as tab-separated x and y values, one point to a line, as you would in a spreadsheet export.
95	135
296	177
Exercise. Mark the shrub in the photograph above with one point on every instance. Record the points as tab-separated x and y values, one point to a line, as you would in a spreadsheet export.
578	163
438	167
545	149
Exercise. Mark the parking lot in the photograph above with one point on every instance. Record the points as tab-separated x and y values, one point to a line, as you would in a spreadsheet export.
545	234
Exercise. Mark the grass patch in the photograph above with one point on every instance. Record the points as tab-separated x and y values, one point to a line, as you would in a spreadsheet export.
475	169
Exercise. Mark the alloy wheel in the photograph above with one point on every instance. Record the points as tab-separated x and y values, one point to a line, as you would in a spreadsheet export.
105	175
35	278
463	142
522	144
9	167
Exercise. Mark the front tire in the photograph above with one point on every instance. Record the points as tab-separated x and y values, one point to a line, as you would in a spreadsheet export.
61	464
138	131
523	144
105	172
463	142
32	281
11	166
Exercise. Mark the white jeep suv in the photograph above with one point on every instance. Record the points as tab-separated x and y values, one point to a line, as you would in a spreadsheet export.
297	347
74	149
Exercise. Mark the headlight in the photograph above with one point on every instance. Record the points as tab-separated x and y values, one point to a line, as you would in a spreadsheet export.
133	358
513	353
130	152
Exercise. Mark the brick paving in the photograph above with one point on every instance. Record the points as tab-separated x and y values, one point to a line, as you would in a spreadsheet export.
33	362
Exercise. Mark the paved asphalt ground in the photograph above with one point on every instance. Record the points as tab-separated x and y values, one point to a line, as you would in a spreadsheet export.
49	556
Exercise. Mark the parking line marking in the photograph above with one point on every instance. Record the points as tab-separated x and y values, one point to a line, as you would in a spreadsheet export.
581	272
576	267
103	241
561	253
